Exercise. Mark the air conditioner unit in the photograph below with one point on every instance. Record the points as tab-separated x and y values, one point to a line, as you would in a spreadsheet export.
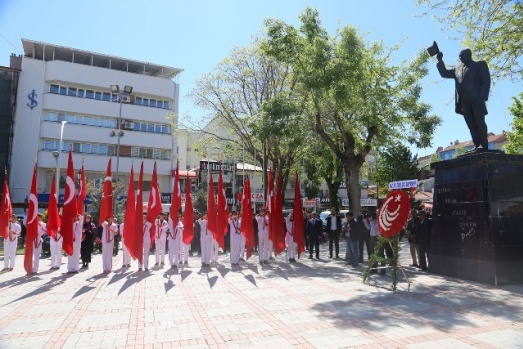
126	99
129	125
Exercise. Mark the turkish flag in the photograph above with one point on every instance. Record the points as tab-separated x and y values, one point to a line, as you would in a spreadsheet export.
297	212
211	208
188	216
222	213
69	209
106	206
32	226
129	220
82	192
137	248
247	226
53	218
7	210
154	206
277	220
176	199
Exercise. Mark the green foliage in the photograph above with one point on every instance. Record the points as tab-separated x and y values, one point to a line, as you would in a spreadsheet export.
395	163
515	137
95	196
459	151
200	201
490	28
379	259
357	100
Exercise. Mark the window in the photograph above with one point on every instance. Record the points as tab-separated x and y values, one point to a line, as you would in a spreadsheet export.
69	118
138	101
86	148
65	146
166	105
78	119
76	147
52	116
94	148
102	149
54	88
89	94
150	127
152	103
165	129
61	117
88	120
63	90
112	123
98	95
106	96
145	102
158	128
136	126
159	104
115	98
50	144
71	91
111	150
80	93
143	127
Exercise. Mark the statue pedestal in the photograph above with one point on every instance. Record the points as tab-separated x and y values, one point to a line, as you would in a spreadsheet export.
477	223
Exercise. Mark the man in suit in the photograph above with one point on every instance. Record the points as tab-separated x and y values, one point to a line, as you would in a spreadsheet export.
314	231
333	232
472	80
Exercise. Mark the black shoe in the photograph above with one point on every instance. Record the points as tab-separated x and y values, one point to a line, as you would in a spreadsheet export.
174	267
139	269
146	269
310	257
186	263
156	264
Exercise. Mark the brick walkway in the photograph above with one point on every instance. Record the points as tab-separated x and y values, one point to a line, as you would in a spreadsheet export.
310	304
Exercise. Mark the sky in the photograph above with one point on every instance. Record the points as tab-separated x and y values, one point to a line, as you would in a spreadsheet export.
196	35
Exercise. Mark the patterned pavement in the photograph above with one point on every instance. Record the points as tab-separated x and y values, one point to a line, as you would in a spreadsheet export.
310	304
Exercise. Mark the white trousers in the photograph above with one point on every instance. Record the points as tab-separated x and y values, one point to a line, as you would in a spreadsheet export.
160	250
206	241
10	253
264	247
107	255
243	242
184	252
174	251
215	248
291	246
235	247
56	252
37	251
126	256
145	256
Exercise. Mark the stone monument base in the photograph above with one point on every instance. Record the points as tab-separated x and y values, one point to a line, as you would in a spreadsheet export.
477	223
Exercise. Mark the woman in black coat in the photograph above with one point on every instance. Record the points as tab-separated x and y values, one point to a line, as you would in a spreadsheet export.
88	235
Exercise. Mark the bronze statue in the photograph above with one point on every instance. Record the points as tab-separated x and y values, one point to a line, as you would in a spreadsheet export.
472	81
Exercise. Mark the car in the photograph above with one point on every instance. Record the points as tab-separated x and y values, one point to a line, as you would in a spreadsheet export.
325	214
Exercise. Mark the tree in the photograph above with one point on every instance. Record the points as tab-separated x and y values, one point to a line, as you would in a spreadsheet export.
357	99
253	103
491	28
515	138
395	163
94	193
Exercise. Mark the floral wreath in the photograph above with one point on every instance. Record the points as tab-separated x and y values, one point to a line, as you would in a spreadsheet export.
393	213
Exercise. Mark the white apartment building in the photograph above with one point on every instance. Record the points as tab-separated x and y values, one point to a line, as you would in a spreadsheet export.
65	84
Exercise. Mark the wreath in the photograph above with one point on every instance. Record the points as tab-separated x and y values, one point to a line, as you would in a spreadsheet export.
393	213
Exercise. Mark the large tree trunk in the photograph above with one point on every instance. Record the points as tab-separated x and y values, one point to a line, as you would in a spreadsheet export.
352	178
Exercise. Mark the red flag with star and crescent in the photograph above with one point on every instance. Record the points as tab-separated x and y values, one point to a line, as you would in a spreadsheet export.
393	213
211	208
222	213
247	226
129	219
53	218
106	206
137	248
7	210
154	206
188	216
32	226
278	220
69	209
82	192
297	212
176	199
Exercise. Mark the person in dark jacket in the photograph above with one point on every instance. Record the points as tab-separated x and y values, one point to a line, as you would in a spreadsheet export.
422	234
354	231
314	232
333	230
88	236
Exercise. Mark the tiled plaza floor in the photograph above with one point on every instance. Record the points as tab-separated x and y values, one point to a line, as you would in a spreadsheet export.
311	304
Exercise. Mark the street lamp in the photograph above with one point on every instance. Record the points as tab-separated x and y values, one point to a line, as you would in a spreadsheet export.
56	155
127	90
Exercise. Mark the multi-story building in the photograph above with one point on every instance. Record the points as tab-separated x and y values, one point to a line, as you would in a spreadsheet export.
60	84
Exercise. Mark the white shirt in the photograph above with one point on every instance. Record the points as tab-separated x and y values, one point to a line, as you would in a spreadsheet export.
263	224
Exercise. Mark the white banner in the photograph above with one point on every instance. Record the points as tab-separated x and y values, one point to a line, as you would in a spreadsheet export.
409	183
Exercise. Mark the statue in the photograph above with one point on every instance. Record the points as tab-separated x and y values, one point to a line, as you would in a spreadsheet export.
472	81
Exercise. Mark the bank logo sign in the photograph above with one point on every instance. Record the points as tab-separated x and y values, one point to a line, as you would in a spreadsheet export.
32	100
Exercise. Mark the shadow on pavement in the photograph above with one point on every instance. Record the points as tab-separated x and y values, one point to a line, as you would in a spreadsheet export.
55	281
133	279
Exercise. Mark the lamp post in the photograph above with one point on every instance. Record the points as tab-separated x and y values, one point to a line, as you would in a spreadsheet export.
57	157
127	90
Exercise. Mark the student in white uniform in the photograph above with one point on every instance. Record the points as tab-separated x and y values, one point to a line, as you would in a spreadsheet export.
174	237
146	244
205	242
185	249
11	243
289	238
161	229
37	248
263	236
236	238
74	259
110	230
126	256
56	250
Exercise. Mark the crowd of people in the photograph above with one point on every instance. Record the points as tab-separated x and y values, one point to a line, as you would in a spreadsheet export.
167	243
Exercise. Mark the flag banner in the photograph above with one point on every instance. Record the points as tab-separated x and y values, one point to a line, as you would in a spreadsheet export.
129	219
137	247
222	213
31	225
154	206
53	218
82	192
299	235
69	211
247	226
176	198
7	210
188	216
106	206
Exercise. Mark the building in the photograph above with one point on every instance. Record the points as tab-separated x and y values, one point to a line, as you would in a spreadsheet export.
60	84
8	86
